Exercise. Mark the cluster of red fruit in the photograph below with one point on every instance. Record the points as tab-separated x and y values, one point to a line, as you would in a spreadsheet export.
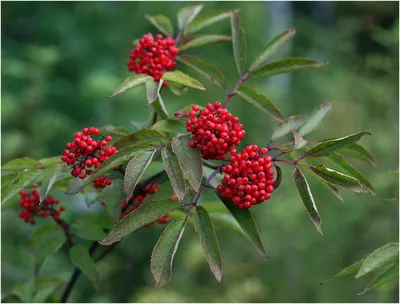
30	203
249	179
153	57
86	153
214	131
136	200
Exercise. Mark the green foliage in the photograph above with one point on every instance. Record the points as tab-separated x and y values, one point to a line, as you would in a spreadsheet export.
79	255
239	42
174	171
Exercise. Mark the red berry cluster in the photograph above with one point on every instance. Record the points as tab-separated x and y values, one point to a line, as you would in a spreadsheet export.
249	179
214	131
153	57
30	203
85	153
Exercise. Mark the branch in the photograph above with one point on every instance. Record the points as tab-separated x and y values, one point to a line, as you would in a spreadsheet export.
237	86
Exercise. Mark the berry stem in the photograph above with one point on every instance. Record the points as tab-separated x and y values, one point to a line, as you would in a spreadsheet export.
236	87
294	163
277	146
210	164
67	232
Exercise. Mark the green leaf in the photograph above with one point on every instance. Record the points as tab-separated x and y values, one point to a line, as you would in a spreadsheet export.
113	131
261	102
315	119
204	68
143	136
206	20
132	82
162	23
46	241
299	142
347	272
79	255
187	14
330	187
89	232
381	257
45	287
98	219
189	160
205	228
159	108
174	172
177	89
307	198
326	147
164	251
115	160
283	128
273	47
247	223
112	196
278	177
238	41
182	78
224	220
48	180
391	273
20	182
145	214
20	164
358	152
176	126
339	179
50	162
23	292
135	169
194	42
153	89
287	65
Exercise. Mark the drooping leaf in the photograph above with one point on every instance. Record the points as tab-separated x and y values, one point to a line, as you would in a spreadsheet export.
176	126
381	257
145	214
182	78
159	107
326	147
194	42
112	197
135	169
329	186
189	160
20	164
205	20
79	255
278	177
153	89
287	65
391	273
174	172
131	82
49	178
204	68
115	160
205	228
162	23
187	14
46	241
358	152
349	271
238	41
283	128
315	119
164	251
261	102
339	179
307	198
273	47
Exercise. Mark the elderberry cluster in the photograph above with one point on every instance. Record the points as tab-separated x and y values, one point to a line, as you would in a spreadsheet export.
153	56
85	153
30	203
249	179
214	131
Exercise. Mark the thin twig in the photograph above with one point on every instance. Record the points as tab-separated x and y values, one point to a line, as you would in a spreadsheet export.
236	87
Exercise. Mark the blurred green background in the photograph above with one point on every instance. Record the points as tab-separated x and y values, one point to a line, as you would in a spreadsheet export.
60	61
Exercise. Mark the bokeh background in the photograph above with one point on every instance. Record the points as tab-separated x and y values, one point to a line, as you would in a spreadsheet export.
60	61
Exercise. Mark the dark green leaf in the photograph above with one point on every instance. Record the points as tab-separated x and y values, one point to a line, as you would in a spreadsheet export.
23	292
261	102
88	232
315	119
287	65
273	47
112	197
205	228
79	255
48	180
358	152
174	172
98	219
391	273
189	160
330	187
182	78
326	147
224	220
46	241
45	287
162	23
135	169
143	136
347	272
153	89
187	14
206	20
145	214
20	164
339	179
282	129
278	177
194	42
176	126
307	198
132	82
164	251
238	41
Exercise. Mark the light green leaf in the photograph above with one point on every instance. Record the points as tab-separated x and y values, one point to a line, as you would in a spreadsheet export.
299	142
347	272
79	255
164	251
205	228
391	273
159	107
206	20
315	119
174	172
45	287
182	78
261	102
20	164
358	152
145	214
162	23
238	41
153	89
283	128
189	160
177	89
187	14
144	136
46	241
273	47
307	198
112	197
194	42
49	178
132	82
